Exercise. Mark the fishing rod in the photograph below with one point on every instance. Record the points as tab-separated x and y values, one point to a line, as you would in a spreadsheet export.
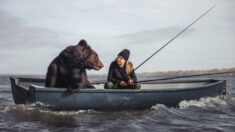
175	37
168	78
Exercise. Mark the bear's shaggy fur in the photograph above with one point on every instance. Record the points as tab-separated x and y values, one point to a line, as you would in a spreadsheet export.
68	69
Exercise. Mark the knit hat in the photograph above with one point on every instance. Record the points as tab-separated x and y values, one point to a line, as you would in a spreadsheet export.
125	54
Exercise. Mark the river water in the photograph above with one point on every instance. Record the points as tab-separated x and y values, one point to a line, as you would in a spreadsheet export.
206	114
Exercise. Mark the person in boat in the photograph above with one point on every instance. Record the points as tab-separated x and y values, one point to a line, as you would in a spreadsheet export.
121	73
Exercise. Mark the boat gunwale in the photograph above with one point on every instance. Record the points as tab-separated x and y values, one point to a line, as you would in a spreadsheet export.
60	90
38	80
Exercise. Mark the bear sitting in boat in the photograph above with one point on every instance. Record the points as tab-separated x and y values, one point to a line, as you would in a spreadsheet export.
68	69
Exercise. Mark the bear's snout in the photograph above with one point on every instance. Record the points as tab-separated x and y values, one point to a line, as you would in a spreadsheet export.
99	65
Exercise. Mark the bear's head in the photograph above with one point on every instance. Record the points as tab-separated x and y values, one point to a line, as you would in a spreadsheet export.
83	56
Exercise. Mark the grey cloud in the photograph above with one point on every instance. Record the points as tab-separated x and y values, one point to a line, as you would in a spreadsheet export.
14	34
150	36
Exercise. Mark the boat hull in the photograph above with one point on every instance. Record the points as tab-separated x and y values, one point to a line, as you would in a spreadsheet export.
113	99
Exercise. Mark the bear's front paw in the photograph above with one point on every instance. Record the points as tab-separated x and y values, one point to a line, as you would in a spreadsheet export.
73	90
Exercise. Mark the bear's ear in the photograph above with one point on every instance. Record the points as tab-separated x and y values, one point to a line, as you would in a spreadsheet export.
83	43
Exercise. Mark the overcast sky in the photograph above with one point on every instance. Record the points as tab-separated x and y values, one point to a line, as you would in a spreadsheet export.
32	33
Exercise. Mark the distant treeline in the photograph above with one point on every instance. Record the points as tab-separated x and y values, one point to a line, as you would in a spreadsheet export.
174	73
183	73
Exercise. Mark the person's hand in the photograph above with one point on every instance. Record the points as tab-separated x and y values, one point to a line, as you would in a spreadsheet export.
131	82
122	83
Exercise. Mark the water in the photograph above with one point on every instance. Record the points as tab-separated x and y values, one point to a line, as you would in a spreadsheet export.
206	114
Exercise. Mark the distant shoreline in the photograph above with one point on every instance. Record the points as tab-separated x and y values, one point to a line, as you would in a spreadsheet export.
151	74
175	73
183	73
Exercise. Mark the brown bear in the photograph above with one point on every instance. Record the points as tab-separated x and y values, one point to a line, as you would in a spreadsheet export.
68	69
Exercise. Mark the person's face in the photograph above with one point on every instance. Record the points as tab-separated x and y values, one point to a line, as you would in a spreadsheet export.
120	61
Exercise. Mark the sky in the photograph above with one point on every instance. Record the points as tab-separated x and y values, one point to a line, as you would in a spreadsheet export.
33	33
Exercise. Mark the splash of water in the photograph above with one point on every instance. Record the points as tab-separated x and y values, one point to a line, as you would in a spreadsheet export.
203	102
34	108
158	106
